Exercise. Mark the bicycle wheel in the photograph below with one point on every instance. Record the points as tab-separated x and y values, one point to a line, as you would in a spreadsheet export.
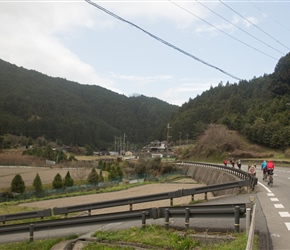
271	182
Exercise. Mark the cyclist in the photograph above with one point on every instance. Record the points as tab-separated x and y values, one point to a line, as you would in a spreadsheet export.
264	168
270	169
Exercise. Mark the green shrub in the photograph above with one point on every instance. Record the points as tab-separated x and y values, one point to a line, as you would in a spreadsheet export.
68	181
93	177
37	183
17	184
57	182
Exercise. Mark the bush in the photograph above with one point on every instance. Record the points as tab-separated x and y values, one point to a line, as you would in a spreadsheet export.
17	184
37	183
68	181
93	177
57	182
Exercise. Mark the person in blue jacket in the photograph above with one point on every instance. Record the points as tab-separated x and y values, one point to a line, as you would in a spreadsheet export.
264	168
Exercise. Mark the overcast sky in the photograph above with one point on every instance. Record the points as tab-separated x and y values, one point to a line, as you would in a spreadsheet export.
80	42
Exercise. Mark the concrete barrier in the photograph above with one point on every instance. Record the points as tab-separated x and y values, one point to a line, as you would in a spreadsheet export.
211	176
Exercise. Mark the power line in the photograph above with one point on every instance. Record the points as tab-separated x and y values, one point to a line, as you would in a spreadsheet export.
160	40
253	24
222	31
285	27
239	27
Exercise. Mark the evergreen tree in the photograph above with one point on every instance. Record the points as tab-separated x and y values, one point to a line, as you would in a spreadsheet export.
57	182
119	171
93	177
101	176
17	184
37	183
68	181
100	164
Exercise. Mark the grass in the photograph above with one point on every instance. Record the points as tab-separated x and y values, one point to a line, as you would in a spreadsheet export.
150	237
157	236
35	245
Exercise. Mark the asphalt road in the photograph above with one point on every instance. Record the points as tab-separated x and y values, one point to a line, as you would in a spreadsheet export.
275	204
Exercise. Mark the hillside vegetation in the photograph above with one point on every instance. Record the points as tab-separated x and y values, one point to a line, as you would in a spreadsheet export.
36	105
218	143
258	109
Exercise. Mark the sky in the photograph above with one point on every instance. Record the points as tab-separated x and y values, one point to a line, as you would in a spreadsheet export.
171	50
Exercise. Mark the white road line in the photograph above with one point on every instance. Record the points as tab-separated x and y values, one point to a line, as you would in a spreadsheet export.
284	214
274	199
278	206
287	225
268	190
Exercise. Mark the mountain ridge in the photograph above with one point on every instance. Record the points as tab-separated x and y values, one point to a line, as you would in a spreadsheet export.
34	104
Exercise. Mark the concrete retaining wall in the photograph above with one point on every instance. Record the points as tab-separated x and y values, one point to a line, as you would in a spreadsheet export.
211	176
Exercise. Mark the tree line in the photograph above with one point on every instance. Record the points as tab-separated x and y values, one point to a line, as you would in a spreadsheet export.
36	105
258	108
115	172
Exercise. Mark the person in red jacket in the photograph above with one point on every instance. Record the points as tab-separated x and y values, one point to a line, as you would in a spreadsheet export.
270	168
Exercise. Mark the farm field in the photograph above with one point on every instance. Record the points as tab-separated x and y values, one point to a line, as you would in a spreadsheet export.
28	174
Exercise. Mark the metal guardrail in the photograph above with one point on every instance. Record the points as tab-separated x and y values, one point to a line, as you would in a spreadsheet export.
205	211
25	215
234	171
153	213
251	232
148	198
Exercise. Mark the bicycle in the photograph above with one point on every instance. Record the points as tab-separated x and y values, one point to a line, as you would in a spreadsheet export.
265	176
270	182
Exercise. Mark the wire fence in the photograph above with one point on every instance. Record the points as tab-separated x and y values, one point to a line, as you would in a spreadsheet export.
131	179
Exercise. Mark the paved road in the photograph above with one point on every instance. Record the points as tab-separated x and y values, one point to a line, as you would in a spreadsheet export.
275	204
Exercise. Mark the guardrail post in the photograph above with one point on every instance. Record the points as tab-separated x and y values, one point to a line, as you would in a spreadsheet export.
205	196
187	212
237	219
192	197
89	212
131	206
166	219
248	221
143	219
31	231
171	202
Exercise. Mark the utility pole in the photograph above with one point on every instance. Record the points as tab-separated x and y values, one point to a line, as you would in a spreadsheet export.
187	139
167	139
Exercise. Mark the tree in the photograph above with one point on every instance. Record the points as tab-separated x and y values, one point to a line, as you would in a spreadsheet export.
17	184
37	183
57	182
93	177
68	181
101	176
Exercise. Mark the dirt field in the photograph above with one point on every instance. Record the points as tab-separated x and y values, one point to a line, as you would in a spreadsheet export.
28	174
47	175
132	192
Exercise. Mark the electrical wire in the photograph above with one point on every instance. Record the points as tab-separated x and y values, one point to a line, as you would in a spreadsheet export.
222	31
267	15
239	27
160	40
253	24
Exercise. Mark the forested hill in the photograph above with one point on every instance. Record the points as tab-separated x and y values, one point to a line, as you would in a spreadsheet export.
259	108
33	105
